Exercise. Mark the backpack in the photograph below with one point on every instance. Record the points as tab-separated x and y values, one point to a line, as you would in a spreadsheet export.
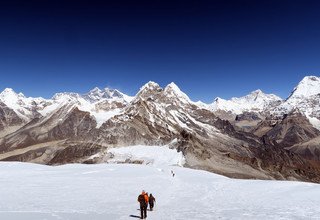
141	199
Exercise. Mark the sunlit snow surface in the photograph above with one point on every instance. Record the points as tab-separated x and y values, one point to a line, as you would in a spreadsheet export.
150	155
109	191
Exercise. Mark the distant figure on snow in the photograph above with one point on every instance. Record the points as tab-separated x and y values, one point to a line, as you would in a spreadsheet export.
143	200
152	200
173	174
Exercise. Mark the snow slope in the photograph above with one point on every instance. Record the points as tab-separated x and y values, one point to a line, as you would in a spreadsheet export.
155	155
109	191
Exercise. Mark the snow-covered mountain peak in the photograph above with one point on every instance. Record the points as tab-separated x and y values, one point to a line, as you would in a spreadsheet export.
173	90
310	79
305	99
97	94
150	86
9	92
114	93
95	90
18	103
255	101
217	99
148	90
257	93
308	86
174	87
67	96
94	95
258	96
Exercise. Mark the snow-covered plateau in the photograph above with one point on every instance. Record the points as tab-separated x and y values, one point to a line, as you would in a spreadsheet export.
110	191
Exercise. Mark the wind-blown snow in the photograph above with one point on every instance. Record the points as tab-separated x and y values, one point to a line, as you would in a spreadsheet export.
109	191
155	155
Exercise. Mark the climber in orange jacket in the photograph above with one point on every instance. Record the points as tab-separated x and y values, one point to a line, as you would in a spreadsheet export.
143	200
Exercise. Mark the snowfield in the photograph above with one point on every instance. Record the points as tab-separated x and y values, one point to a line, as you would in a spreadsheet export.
110	191
150	155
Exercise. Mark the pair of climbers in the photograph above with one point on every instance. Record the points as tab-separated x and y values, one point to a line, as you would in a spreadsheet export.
144	199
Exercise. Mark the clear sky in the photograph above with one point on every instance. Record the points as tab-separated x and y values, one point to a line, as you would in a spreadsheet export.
208	48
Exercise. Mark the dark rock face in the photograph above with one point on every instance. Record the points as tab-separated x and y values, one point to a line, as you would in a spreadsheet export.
8	117
284	164
78	123
308	149
294	128
108	106
266	125
74	153
249	116
74	123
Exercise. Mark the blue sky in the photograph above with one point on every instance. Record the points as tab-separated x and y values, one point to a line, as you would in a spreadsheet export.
208	48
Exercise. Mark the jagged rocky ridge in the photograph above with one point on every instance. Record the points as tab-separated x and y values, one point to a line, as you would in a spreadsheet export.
269	138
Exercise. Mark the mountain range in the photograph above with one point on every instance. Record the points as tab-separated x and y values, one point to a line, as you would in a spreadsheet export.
256	136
